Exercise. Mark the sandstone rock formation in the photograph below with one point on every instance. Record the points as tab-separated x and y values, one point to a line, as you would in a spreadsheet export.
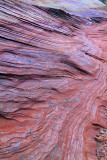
84	8
53	94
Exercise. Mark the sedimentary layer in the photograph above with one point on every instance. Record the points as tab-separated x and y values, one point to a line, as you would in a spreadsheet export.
53	94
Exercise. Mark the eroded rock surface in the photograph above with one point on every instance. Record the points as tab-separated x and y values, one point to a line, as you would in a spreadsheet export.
53	93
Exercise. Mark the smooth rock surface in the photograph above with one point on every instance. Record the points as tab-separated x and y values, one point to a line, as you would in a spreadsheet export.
53	78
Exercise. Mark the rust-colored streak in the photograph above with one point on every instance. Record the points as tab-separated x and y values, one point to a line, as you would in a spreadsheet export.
53	68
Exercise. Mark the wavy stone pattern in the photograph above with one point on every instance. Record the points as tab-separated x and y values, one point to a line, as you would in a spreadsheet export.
53	93
84	8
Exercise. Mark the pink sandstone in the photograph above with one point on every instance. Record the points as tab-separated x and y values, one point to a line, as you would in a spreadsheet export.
53	84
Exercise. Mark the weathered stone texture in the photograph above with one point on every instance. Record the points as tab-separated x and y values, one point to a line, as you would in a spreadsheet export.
53	94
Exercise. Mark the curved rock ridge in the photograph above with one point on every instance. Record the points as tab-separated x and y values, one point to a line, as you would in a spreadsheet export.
53	77
84	8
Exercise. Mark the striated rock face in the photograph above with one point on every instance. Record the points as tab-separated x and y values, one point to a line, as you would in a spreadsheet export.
53	93
84	8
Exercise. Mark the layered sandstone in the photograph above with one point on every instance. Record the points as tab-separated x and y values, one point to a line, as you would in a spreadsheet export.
53	94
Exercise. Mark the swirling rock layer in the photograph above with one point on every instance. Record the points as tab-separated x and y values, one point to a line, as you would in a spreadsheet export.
53	92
